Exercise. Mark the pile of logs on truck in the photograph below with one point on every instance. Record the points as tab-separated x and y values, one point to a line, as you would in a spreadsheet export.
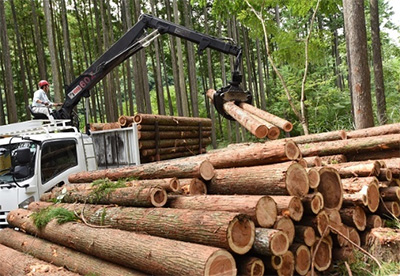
288	206
164	137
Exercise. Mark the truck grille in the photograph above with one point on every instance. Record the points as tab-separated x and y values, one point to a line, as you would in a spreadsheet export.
3	219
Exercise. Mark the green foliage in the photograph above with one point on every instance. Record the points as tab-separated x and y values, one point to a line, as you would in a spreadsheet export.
364	266
103	187
44	216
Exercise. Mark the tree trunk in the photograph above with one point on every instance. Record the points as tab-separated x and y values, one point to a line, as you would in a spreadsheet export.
330	187
61	256
374	221
232	231
353	11
313	177
193	186
38	44
323	254
374	131
10	96
304	235
357	169
194	259
354	216
377	59
170	120
394	165
55	62
151	135
290	206
270	242
15	263
164	169
149	144
287	267
367	144
364	187
145	127
261	209
320	137
390	193
385	175
384	244
319	222
188	149
389	208
69	70
137	196
333	159
267	180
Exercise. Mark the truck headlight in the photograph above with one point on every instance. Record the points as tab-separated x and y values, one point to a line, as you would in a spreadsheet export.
24	204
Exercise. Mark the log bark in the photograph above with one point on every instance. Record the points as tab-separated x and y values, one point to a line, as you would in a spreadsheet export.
384	244
333	159
273	131
290	206
330	186
320	137
249	266
15	263
364	187
268	180
151	135
168	128
323	254
390	193
130	196
270	242
313	203
175	155
194	149
394	165
261	209
304	235
62	256
273	119
286	225
193	186
244	118
313	161
374	131
232	231
167	143
354	216
385	154
379	143
170	120
164	169
302	258
143	252
385	174
357	169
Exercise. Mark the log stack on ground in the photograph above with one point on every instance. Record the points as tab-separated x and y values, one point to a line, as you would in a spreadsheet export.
254	203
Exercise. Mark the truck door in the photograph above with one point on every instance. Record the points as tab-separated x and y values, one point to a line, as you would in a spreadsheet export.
58	159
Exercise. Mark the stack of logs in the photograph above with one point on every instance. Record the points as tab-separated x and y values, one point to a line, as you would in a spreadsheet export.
165	137
280	207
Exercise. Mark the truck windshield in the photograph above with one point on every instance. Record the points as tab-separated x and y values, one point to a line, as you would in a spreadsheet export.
8	160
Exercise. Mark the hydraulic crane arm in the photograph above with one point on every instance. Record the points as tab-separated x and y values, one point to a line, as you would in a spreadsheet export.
135	40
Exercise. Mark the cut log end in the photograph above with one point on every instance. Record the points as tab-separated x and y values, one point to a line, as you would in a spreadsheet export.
241	234
174	185
266	212
373	197
323	255
257	268
314	178
296	209
317	203
302	257
276	262
292	151
206	170
309	236
287	267
279	243
286	225
331	188
297	182
322	223
273	133
287	127
220	263
261	131
158	197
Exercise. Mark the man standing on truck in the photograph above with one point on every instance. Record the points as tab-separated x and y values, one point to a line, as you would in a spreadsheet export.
40	102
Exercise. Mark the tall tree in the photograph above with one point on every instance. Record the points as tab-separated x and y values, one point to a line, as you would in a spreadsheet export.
22	69
353	12
69	70
10	96
377	59
38	43
55	63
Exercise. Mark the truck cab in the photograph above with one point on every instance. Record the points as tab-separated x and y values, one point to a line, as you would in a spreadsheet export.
36	156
